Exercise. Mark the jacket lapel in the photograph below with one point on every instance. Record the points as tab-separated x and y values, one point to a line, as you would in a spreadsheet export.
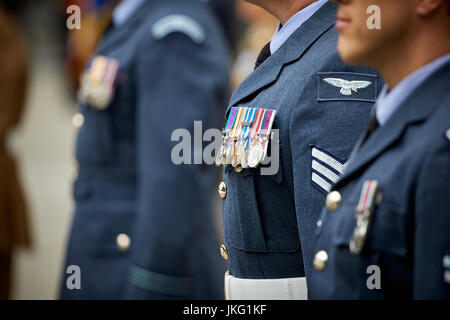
293	49
415	109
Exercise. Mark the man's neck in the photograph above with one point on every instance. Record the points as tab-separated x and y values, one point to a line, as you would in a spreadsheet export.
400	62
284	10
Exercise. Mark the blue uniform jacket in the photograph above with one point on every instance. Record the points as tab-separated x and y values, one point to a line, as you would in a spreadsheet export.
173	70
269	220
407	247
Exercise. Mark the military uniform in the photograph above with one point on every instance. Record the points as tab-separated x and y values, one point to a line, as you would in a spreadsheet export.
269	220
384	232
144	227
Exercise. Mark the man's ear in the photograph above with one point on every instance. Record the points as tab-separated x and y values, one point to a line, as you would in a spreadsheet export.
427	7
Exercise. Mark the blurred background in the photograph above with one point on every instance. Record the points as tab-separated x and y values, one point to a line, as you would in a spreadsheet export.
40	137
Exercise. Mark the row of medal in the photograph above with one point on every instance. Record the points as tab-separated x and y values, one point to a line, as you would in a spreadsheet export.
246	137
98	82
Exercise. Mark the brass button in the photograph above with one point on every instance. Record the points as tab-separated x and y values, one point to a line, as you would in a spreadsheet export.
319	223
222	190
224	252
123	242
78	120
238	169
320	260
334	200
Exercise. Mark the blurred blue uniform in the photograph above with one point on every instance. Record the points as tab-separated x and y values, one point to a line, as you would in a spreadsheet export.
404	253
269	220
144	227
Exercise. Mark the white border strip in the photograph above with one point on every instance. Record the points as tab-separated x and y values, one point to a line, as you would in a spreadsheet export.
325	158
327	173
321	182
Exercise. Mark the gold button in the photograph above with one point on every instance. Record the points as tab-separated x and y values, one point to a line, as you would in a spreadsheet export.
238	169
224	252
123	242
222	190
320	260
334	200
319	223
78	120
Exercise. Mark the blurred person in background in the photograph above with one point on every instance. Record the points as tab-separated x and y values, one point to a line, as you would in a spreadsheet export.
143	227
13	80
96	17
225	12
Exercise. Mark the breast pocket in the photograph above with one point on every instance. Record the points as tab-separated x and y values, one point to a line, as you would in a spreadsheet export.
387	233
258	214
95	140
97	226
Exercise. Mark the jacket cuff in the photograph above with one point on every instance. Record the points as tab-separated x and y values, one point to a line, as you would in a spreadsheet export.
160	283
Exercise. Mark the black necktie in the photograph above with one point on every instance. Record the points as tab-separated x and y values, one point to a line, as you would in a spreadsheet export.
263	55
373	125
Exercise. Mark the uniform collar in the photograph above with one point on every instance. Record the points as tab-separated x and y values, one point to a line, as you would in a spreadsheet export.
125	10
284	32
389	102
293	49
417	107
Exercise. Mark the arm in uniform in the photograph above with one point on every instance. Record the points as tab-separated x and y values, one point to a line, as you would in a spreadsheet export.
432	222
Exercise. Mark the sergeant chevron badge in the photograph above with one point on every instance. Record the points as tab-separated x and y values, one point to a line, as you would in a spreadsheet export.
347	86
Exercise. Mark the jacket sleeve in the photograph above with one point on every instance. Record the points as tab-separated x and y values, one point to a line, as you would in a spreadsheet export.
333	127
178	82
432	225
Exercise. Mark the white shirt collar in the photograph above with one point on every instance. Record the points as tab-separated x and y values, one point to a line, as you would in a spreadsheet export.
125	10
282	34
389	102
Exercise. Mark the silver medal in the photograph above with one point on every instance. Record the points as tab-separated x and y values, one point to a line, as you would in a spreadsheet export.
255	155
229	154
244	159
220	156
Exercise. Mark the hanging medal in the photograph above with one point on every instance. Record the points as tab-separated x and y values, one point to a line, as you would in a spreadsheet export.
256	153
246	137
221	155
266	133
253	134
239	148
371	196
231	141
98	83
